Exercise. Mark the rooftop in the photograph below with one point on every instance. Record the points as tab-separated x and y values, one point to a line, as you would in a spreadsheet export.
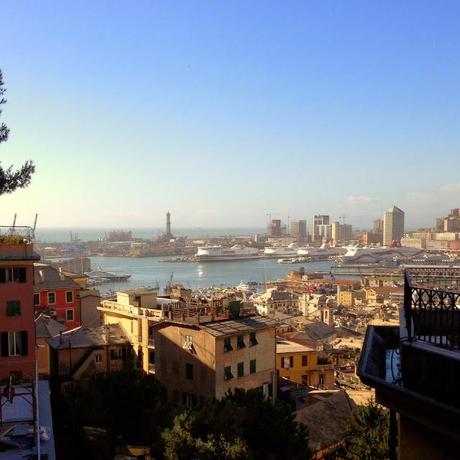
84	337
286	346
47	327
48	277
238	326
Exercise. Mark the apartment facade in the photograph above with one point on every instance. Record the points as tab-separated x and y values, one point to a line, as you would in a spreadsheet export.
202	361
17	326
303	364
57	293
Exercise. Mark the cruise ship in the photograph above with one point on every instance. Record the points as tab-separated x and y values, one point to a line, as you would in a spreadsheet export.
367	254
219	253
277	252
322	252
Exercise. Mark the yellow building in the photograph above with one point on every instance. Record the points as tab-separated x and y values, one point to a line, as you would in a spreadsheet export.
202	361
303	365
136	311
346	298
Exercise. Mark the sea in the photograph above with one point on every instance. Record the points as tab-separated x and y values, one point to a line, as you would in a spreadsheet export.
154	272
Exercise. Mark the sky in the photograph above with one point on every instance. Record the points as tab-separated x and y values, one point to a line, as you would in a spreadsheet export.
227	112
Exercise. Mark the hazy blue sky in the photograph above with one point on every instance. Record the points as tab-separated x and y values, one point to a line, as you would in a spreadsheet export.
224	111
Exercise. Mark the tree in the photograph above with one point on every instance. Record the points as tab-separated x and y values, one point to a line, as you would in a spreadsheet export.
130	405
241	423
11	179
181	444
366	436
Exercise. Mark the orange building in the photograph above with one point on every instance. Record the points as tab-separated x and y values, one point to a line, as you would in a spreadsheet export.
17	325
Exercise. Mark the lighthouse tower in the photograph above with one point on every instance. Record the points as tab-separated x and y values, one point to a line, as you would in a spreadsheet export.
168	225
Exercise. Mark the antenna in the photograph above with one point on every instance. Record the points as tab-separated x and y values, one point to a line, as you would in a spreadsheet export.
35	226
14	221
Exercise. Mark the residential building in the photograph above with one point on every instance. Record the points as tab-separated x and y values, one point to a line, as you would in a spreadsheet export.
57	294
414	369
275	228
201	361
299	230
393	225
136	311
273	300
17	325
303	364
346	298
378	227
318	220
341	232
45	328
85	351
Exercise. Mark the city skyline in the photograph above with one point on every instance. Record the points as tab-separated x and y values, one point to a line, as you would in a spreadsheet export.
225	113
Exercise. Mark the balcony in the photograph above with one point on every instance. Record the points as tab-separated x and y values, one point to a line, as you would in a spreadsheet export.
16	243
415	367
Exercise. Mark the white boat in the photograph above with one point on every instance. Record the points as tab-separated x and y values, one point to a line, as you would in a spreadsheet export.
220	253
281	251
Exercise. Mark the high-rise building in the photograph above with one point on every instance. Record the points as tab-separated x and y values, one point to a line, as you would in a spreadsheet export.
378	226
299	230
318	220
341	232
324	232
275	228
393	225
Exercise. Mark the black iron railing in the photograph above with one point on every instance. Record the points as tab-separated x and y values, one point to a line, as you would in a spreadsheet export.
21	231
432	315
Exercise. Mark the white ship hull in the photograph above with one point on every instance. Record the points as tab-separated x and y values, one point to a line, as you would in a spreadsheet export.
219	253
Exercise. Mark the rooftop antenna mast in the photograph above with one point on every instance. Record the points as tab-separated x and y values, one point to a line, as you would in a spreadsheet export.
14	223
35	226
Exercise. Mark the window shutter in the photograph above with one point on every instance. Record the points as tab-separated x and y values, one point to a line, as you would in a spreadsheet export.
4	343
24	344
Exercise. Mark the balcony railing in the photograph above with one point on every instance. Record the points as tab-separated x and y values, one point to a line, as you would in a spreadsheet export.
432	315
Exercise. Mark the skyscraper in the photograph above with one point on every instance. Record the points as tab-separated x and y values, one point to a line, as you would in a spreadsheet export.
393	225
318	220
299	230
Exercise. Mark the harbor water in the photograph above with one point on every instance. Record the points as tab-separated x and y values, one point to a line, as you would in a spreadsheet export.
151	271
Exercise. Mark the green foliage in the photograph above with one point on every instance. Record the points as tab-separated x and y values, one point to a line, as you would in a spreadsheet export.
180	444
12	239
366	437
10	180
129	405
241	425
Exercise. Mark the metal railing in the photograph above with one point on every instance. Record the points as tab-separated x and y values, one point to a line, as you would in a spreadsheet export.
432	315
23	231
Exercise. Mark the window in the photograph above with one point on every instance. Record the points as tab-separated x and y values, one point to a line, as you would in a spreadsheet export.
51	298
304	379
252	366
252	339
240	369
116	354
228	373
98	359
14	343
69	296
189	371
287	362
321	379
188	344
305	360
13	308
19	275
13	275
37	299
228	344
240	342
151	357
69	315
189	399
